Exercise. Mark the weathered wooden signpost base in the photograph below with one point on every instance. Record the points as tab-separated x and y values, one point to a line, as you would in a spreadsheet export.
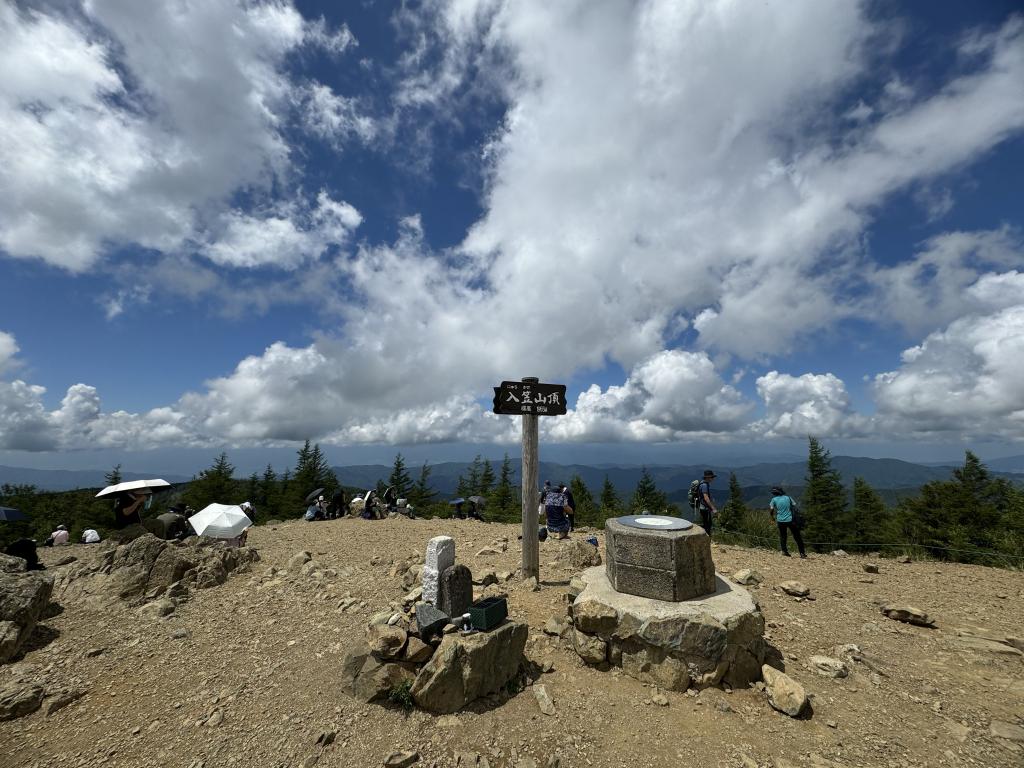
530	399
531	542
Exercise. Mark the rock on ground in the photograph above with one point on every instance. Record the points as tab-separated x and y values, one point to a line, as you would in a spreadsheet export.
908	614
784	693
466	667
23	596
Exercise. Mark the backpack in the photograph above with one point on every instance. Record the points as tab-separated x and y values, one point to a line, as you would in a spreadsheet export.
798	516
693	495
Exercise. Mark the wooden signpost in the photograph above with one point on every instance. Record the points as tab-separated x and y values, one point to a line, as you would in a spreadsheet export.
530	399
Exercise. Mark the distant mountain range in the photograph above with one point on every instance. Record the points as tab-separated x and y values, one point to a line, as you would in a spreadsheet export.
70	479
891	477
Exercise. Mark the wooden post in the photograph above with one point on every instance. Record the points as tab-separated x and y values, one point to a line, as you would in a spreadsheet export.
531	544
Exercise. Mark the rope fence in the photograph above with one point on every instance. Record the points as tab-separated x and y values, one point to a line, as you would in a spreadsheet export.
877	545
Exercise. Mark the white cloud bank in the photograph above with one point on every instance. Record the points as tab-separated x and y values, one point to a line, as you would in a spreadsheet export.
662	167
130	123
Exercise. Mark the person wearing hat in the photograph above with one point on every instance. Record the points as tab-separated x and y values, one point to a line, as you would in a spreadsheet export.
705	502
782	508
60	536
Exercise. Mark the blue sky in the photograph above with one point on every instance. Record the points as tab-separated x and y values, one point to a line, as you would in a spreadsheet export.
724	226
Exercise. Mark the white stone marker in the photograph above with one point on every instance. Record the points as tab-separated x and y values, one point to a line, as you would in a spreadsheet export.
440	555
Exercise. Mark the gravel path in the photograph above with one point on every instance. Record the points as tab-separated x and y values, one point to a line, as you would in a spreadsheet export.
247	673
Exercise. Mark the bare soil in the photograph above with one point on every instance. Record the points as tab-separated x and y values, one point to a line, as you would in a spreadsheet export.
255	679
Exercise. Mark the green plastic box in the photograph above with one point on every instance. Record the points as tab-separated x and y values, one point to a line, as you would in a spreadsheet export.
488	613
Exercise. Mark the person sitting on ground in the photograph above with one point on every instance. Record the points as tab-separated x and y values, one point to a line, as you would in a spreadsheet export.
249	509
26	550
473	511
369	506
90	536
337	506
570	507
60	536
782	511
554	510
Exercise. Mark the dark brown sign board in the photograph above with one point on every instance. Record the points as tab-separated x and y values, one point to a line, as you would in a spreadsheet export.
519	398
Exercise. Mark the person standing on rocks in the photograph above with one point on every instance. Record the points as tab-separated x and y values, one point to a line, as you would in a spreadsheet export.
705	502
782	508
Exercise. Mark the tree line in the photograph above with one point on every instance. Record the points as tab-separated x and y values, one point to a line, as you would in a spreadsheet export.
972	517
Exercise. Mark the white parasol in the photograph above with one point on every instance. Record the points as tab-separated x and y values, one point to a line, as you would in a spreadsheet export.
220	521
133	485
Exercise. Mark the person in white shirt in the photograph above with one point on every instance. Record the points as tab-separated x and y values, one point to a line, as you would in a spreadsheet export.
90	536
60	536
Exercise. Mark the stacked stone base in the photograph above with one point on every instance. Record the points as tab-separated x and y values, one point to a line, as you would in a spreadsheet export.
711	641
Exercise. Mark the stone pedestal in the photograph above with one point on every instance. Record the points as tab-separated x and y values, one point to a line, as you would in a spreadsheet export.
703	642
669	565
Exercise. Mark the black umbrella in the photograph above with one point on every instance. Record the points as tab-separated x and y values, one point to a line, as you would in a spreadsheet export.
10	515
313	495
480	501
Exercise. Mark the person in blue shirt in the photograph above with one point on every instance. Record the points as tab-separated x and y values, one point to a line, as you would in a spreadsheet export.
782	507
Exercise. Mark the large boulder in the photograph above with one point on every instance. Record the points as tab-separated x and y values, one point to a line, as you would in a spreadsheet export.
718	638
466	667
23	597
147	567
367	678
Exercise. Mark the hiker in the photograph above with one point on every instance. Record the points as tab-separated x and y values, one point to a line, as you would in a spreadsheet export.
60	536
26	550
570	507
473	510
554	509
704	503
90	536
337	507
127	508
249	509
786	515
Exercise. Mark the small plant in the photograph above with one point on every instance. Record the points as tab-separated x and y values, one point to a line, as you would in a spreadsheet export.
401	695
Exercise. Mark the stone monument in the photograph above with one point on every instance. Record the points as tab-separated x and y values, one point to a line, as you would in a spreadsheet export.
440	555
658	610
660	557
455	594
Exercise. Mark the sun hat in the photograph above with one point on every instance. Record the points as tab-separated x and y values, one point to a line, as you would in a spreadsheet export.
708	473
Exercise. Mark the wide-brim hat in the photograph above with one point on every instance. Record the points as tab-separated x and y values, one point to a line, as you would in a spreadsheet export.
708	473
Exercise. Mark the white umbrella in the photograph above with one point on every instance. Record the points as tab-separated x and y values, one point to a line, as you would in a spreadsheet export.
133	485
220	521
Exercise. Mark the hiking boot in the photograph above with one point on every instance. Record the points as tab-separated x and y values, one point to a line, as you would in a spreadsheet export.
786	554
803	556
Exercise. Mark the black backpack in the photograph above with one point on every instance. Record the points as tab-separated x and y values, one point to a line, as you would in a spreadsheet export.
798	516
693	495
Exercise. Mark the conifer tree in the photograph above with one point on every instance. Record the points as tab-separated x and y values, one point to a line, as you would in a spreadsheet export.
647	496
267	495
113	477
611	506
400	479
486	479
824	501
869	512
735	510
586	509
473	472
422	495
503	502
213	485
463	487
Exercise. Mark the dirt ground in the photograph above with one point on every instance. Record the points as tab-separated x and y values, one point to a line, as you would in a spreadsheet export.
253	680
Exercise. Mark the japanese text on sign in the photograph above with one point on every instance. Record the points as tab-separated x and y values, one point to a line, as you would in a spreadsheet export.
518	397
